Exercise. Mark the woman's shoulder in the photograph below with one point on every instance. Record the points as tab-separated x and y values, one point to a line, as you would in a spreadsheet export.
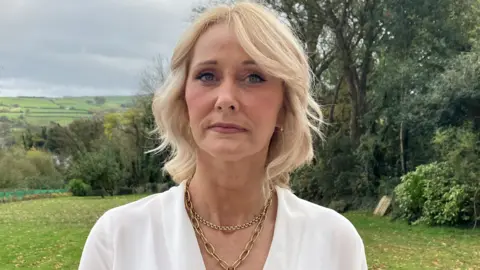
131	226
144	209
324	230
321	218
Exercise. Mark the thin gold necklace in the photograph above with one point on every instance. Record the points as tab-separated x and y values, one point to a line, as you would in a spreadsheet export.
209	247
230	228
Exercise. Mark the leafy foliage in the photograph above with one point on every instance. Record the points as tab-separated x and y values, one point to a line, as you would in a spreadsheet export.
100	168
391	74
28	169
410	193
79	188
444	193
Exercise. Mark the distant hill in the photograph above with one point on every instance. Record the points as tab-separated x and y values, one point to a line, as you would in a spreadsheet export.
43	111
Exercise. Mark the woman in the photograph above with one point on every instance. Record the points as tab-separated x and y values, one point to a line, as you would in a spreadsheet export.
237	115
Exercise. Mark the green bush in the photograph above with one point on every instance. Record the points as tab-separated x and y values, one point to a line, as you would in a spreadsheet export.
409	194
432	195
334	179
28	169
339	205
100	169
54	181
15	169
43	162
445	203
79	188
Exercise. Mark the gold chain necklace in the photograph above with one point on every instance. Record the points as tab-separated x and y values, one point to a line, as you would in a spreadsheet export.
209	224
209	247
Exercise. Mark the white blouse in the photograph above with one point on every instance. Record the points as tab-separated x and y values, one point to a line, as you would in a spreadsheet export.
155	233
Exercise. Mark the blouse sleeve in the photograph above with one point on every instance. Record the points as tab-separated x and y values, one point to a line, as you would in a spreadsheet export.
98	249
355	253
362	259
349	247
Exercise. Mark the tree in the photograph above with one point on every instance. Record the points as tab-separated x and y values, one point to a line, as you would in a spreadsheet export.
153	76
61	141
99	100
99	168
381	56
6	139
134	129
346	39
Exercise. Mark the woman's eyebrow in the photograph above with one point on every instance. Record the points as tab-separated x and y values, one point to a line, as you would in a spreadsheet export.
215	62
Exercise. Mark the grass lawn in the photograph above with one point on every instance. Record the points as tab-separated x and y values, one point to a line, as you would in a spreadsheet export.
396	245
50	233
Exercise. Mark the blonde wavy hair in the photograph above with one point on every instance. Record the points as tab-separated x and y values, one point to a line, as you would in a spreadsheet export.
278	52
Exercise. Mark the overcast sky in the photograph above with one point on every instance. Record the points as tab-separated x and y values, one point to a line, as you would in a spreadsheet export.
84	47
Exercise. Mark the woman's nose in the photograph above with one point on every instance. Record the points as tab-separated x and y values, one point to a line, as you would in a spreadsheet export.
227	97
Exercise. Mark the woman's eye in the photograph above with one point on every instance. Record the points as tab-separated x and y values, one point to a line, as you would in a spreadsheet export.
254	78
206	76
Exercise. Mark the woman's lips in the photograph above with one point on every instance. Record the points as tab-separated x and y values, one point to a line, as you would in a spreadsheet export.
227	128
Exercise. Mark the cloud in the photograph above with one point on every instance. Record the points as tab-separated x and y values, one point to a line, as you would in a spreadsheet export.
25	87
54	47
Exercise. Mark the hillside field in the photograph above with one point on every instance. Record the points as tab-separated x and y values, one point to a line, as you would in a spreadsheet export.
42	111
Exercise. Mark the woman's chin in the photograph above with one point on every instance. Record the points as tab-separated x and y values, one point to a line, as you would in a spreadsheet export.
228	152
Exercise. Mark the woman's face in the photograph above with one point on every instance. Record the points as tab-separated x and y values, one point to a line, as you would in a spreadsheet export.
233	106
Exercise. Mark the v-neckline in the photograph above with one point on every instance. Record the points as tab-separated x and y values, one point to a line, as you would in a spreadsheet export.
278	242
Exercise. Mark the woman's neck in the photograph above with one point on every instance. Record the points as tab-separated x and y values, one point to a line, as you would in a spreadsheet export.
228	193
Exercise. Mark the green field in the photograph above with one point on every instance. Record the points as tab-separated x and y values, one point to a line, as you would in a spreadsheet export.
42	111
50	233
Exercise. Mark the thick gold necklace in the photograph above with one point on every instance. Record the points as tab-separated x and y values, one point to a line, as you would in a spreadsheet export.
209	247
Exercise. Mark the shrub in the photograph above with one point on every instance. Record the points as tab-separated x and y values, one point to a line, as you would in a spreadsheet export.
338	205
100	169
432	195
44	182
445	203
125	191
42	160
409	196
15	169
78	188
32	169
